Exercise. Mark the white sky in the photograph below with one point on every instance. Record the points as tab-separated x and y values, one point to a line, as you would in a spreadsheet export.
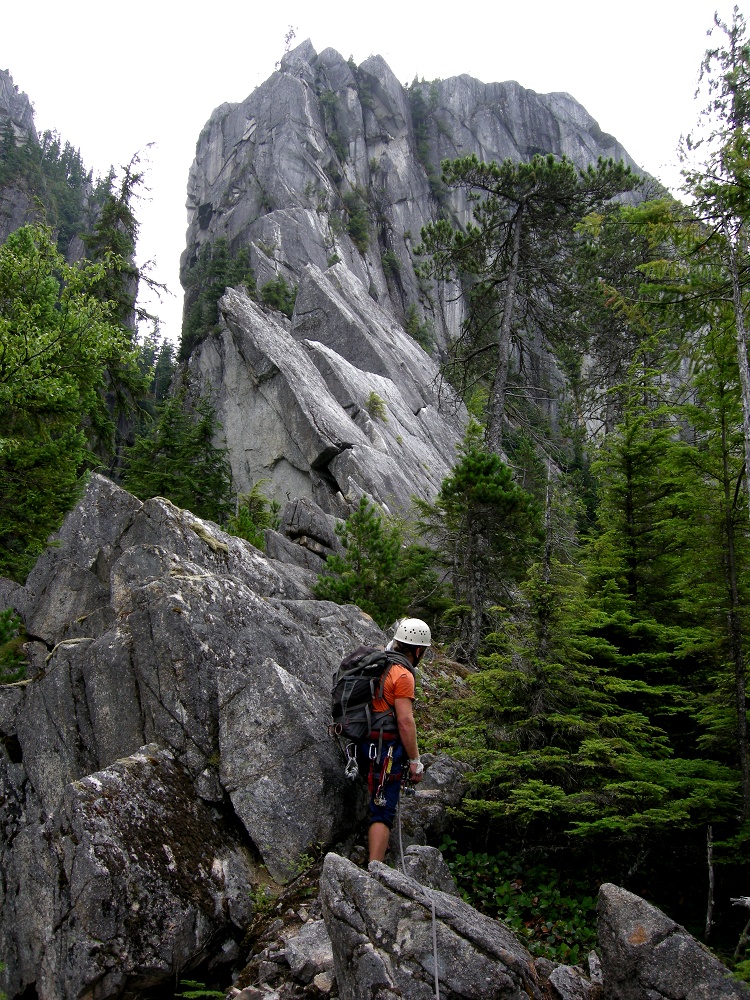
112	77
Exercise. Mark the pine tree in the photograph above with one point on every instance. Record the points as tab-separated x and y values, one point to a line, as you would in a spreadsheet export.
178	460
515	257
380	571
486	528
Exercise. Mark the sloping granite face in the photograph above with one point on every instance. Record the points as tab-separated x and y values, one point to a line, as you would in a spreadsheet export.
277	173
381	930
295	401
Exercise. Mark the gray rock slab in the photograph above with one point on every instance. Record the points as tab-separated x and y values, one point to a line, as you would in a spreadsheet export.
145	878
282	771
304	517
646	954
427	865
380	926
280	547
309	951
569	983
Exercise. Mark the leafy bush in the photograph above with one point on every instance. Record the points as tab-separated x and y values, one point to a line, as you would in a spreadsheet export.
358	224
554	917
423	332
391	264
12	662
279	295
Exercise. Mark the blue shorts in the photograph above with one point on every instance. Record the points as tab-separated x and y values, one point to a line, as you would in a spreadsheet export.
383	775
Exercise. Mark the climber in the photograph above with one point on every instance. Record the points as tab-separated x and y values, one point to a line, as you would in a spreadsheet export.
381	756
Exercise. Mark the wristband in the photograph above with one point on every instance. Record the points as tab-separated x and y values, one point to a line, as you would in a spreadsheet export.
418	762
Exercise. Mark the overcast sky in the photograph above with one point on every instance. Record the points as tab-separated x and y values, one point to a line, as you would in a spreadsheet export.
114	77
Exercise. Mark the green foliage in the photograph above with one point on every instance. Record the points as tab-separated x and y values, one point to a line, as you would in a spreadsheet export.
279	295
381	572
391	265
12	661
54	172
255	513
554	918
113	241
423	332
358	220
178	459
214	269
515	258
192	990
423	116
485	528
58	344
376	407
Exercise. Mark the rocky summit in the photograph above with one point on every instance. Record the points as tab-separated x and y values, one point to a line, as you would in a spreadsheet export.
324	177
328	160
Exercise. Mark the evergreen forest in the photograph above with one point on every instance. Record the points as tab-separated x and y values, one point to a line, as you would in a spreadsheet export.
586	563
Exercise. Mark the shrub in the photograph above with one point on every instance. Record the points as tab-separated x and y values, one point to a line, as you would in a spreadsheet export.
376	407
255	513
279	295
391	264
423	332
553	916
358	224
12	662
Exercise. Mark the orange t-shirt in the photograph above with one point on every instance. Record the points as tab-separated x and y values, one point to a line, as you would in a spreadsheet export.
398	684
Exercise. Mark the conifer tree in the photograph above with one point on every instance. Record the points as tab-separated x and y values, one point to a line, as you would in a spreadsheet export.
380	571
178	459
486	527
57	338
515	257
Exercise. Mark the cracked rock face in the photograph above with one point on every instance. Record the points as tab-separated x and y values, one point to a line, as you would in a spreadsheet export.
273	172
342	402
380	925
152	628
647	956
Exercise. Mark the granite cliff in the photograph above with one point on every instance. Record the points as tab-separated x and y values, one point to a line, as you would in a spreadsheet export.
325	176
17	125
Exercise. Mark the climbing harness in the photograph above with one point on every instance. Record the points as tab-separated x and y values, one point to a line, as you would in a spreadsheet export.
385	773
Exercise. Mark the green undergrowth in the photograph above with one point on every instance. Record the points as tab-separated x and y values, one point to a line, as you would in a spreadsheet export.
12	660
554	917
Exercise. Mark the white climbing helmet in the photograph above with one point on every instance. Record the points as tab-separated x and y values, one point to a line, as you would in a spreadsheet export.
414	632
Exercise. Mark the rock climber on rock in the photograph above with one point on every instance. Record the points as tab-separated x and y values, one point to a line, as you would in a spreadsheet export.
383	753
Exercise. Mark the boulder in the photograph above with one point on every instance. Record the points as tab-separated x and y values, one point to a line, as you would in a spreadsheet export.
309	951
567	982
424	814
188	640
131	878
381	928
427	866
647	956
